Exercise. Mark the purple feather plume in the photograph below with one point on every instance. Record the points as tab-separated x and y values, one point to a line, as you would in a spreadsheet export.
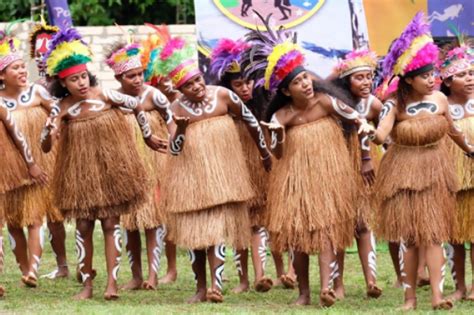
64	35
417	27
226	52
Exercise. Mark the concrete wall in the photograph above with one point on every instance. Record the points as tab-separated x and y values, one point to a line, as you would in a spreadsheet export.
99	37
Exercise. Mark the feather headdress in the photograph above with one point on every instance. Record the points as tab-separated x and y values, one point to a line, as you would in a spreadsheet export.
273	57
456	57
152	46
357	60
9	48
40	35
125	58
413	51
68	54
177	61
226	56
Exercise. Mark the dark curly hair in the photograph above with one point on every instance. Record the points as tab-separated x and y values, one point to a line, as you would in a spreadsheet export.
59	91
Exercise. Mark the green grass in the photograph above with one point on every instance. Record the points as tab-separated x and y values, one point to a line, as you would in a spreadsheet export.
55	296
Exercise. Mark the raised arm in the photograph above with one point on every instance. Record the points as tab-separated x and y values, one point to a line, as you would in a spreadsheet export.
22	145
277	135
122	100
240	110
386	121
51	129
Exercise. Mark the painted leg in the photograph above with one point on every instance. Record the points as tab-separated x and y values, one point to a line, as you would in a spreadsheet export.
422	279
259	259
339	289
328	272
456	256
301	265
19	247
437	270
368	259
198	264
57	238
154	245
408	262
216	257
241	257
133	246
394	249
35	250
113	251
171	272
85	251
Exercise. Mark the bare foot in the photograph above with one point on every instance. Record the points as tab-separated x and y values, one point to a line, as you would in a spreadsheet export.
409	305
470	297
327	298
149	285
457	295
111	293
263	285
288	282
79	276
303	299
443	305
199	297
214	295
340	292
134	284
30	280
60	272
170	277
373	291
242	287
85	294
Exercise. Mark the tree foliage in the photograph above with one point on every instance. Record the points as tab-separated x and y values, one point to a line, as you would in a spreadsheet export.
108	12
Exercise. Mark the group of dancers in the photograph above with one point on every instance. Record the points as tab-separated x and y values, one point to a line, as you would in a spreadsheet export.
272	152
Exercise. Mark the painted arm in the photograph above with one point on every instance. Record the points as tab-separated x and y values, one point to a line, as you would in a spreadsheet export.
47	101
241	111
178	132
22	145
50	131
162	105
458	137
386	121
121	100
277	134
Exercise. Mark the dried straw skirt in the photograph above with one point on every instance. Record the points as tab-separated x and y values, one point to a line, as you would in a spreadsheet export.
416	184
258	175
29	204
363	205
98	173
149	214
463	230
208	187
311	190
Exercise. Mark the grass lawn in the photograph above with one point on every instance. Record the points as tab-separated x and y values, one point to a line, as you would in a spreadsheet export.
55	296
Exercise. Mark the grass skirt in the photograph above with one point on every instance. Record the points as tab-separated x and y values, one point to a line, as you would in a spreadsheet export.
149	214
463	230
363	205
208	186
29	204
258	175
416	185
99	173
311	190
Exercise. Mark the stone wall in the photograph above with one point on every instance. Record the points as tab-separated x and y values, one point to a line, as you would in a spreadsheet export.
100	37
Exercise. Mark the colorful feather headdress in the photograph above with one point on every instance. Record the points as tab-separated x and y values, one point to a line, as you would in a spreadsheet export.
152	46
68	54
9	49
40	36
413	52
357	60
275	58
177	61
125	58
456	57
226	56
